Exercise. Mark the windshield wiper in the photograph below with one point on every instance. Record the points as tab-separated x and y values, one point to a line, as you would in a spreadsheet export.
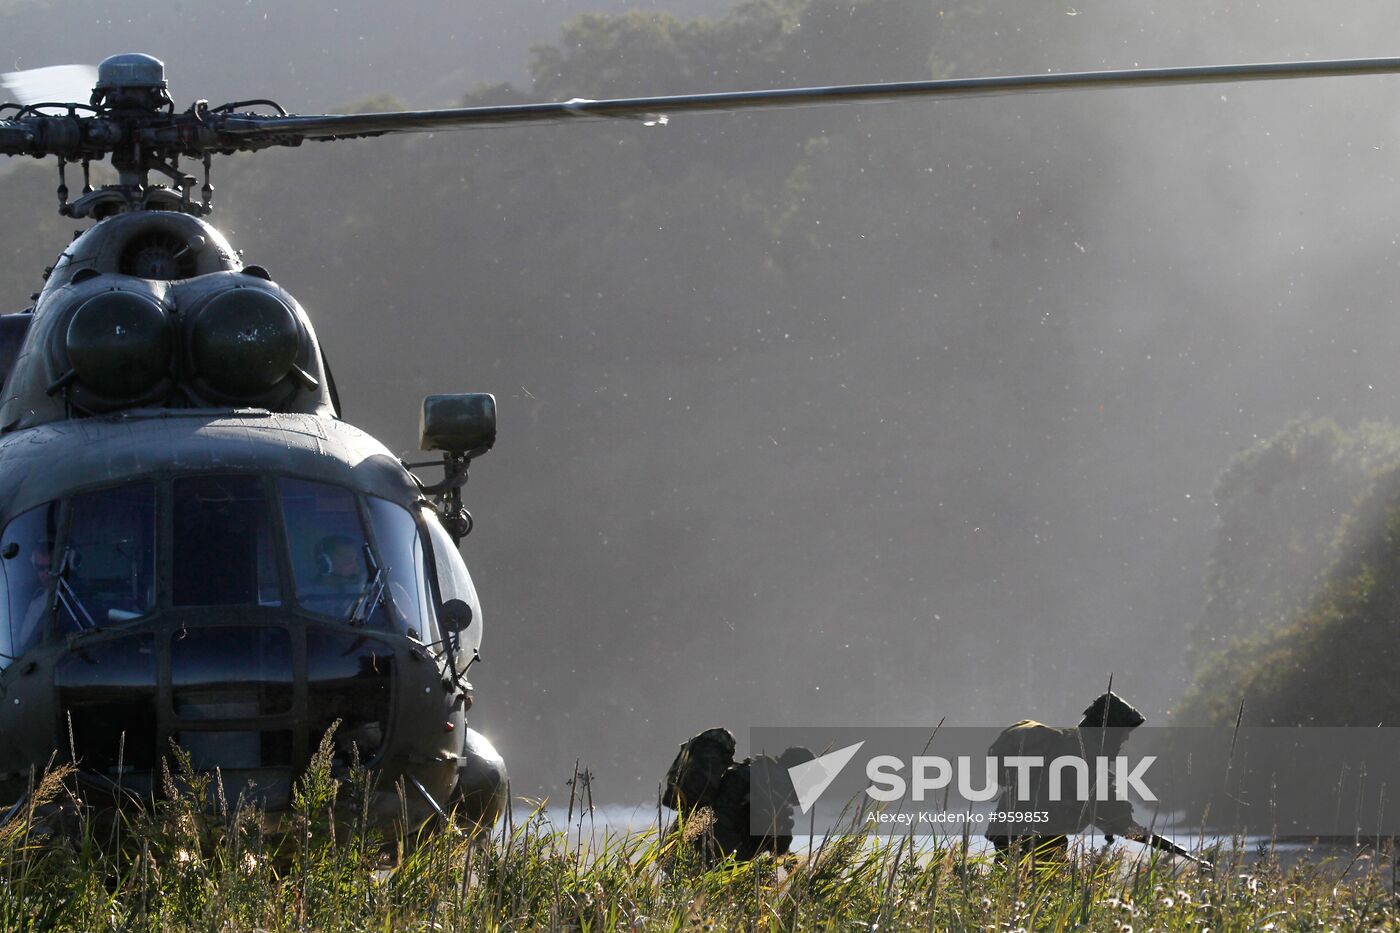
371	594
63	594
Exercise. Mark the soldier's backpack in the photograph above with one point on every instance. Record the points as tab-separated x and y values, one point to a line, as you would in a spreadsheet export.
1029	737
694	777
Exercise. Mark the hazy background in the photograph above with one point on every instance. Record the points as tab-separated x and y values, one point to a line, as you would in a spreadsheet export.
855	415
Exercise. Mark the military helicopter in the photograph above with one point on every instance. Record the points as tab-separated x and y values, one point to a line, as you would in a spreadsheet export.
195	548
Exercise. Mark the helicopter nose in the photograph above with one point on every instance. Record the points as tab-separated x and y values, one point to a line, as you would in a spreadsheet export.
252	701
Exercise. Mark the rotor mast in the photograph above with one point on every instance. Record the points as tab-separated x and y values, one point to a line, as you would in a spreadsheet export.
131	86
132	95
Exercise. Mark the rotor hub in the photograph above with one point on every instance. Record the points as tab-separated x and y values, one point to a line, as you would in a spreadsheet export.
130	70
131	81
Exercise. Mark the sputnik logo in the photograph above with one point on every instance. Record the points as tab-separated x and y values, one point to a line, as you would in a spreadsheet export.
813	777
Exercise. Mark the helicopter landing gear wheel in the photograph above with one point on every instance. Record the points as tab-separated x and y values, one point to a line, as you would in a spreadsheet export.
482	788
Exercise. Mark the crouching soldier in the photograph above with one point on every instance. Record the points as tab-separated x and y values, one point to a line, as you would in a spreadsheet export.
731	808
1037	811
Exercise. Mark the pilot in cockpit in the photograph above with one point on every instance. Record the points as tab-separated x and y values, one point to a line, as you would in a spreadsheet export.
339	564
41	562
339	576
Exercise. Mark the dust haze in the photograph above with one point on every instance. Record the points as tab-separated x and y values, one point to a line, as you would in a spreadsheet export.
935	439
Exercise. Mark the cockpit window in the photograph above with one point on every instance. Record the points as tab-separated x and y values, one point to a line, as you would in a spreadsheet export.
401	550
27	550
91	562
106	572
454	582
223	550
328	548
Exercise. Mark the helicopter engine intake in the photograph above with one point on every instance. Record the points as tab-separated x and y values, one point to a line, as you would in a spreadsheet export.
118	346
243	343
154	310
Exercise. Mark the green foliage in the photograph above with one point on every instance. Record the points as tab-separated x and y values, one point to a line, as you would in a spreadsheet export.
28	247
377	103
1281	506
1302	596
1336	661
758	43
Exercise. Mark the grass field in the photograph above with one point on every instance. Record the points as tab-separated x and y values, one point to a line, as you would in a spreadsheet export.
192	862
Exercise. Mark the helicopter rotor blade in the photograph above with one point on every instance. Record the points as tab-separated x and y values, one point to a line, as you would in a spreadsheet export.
250	129
50	84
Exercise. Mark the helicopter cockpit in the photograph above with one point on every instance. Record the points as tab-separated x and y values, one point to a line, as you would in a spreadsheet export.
90	562
239	613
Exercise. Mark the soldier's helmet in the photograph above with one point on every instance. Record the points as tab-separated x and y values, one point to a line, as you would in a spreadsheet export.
1110	711
795	756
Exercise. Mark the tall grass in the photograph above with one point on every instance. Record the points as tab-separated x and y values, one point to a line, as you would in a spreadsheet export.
196	861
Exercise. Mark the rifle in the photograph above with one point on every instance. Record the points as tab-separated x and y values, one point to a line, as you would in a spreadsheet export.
1138	834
